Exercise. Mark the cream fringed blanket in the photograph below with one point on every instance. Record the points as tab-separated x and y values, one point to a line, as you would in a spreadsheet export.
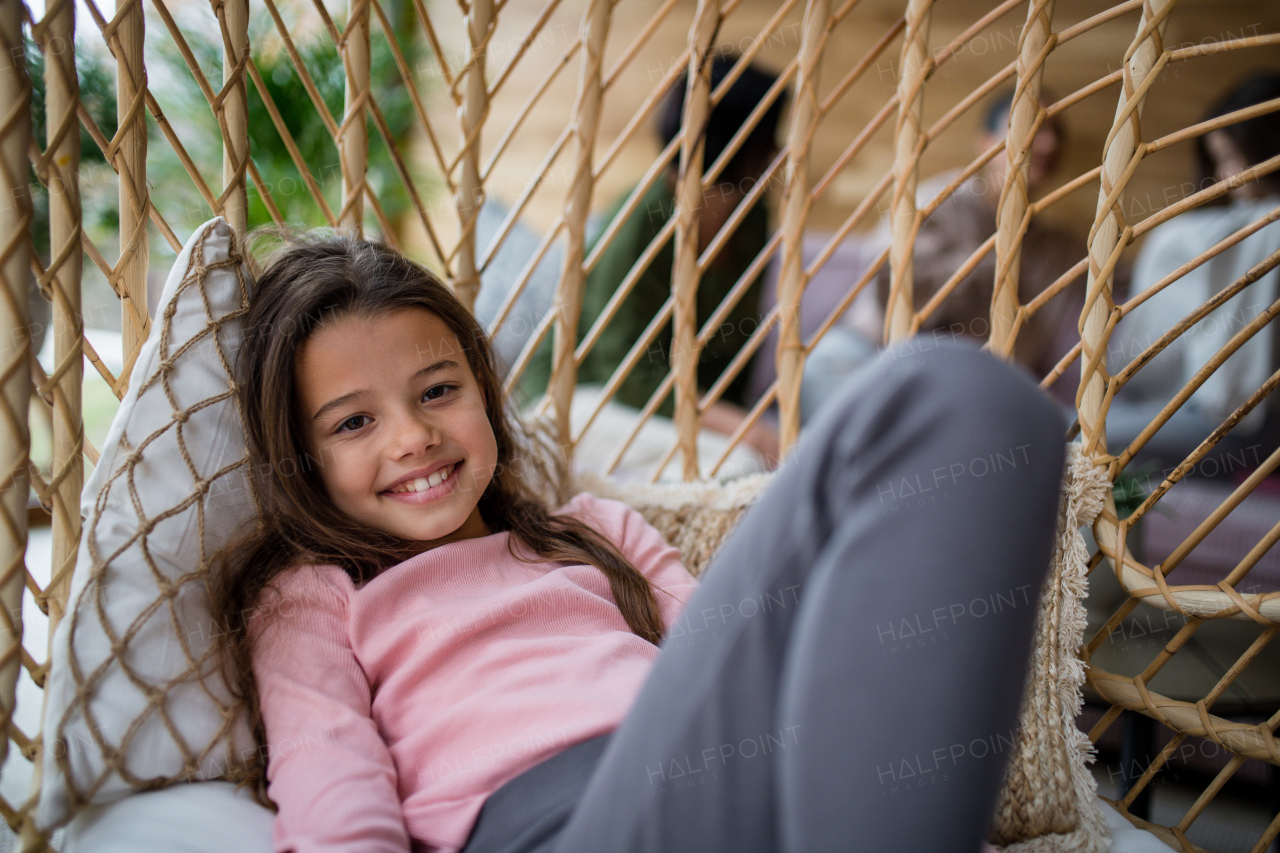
1049	800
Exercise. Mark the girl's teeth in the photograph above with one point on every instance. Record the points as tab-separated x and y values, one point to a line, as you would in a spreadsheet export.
423	483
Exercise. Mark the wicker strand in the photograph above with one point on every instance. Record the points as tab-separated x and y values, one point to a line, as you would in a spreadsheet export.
596	22
61	160
1209	699
1109	223
410	186
1107	237
1034	44
685	351
796	204
415	96
59	168
472	115
530	37
233	114
15	139
1218	601
353	133
1189	718
125	33
909	140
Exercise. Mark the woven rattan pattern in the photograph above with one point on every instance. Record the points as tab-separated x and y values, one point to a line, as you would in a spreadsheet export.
609	44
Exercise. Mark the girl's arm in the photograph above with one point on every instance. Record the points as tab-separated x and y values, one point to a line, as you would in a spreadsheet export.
328	769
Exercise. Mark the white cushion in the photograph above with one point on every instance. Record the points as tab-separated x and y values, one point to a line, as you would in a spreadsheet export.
125	704
203	817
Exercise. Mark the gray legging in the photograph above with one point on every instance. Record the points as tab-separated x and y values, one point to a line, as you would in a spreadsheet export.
847	677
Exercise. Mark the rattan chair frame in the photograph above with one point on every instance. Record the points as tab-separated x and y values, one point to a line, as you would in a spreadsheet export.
467	154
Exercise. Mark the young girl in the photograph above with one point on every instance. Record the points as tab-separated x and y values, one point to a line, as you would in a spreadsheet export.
440	663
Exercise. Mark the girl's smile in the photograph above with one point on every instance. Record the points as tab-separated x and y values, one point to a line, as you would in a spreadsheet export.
391	408
422	487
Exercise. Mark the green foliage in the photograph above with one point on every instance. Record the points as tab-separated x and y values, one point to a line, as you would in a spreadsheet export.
188	110
298	113
1131	487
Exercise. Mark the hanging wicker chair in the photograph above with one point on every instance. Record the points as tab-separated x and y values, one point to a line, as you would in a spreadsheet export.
547	109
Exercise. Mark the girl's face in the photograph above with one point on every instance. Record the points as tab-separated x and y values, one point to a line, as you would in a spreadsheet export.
390	408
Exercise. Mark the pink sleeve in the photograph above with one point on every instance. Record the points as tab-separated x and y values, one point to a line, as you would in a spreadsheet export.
643	545
328	769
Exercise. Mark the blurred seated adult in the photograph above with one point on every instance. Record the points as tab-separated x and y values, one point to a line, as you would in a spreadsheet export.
960	224
1221	155
653	286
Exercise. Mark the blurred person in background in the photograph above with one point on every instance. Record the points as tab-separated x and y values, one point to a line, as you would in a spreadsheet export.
960	224
653	286
1221	155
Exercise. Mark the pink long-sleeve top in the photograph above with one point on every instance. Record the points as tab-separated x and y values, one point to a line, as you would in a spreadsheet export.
393	710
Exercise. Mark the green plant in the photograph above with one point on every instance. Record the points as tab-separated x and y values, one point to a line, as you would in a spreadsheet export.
1130	488
188	111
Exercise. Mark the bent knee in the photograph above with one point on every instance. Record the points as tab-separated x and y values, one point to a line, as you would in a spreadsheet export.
962	377
954	385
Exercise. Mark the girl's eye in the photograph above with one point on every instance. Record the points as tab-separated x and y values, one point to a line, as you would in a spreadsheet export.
352	423
435	392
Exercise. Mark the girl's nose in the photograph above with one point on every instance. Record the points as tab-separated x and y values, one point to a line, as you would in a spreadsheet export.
413	434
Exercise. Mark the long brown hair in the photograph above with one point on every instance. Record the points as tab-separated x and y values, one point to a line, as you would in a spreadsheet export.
1258	138
315	278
